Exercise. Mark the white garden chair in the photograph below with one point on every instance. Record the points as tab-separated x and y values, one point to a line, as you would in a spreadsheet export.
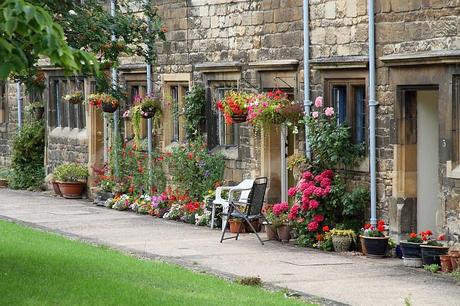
244	188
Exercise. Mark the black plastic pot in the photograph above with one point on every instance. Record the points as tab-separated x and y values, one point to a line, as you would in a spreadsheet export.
376	246
430	254
411	249
109	108
239	118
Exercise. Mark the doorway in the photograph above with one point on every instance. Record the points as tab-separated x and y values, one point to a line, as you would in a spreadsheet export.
427	159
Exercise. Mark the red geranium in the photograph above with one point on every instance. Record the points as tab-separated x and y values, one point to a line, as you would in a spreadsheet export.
326	229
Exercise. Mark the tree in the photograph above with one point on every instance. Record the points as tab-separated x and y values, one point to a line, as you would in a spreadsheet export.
28	32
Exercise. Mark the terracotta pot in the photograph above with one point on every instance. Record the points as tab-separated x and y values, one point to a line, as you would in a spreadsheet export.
341	243
56	189
284	233
255	223
376	246
271	232
235	224
430	254
454	253
446	263
363	245
455	260
109	108
72	190
239	118
3	183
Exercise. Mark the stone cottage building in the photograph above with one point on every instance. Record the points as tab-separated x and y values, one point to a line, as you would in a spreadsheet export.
258	45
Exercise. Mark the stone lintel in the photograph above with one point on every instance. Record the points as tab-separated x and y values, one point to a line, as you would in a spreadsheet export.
339	62
425	58
290	64
217	67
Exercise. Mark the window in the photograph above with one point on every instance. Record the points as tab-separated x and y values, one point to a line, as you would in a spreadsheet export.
175	101
227	133
60	112
134	88
456	120
349	101
3	103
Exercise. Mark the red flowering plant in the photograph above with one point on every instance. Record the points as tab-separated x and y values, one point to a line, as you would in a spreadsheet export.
235	103
273	108
309	212
414	238
427	237
370	231
99	99
278	214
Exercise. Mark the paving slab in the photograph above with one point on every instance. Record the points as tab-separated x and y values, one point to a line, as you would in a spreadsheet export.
333	278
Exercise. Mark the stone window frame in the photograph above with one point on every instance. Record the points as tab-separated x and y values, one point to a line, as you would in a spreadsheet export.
453	165
183	83
61	114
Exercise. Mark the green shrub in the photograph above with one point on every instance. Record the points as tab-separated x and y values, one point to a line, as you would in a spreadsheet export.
71	173
27	157
193	111
433	268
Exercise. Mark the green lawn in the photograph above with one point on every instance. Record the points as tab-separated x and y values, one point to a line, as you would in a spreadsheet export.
37	268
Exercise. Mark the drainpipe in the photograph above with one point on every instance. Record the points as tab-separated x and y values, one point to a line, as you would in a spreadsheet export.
306	72
149	93
114	86
19	99
372	110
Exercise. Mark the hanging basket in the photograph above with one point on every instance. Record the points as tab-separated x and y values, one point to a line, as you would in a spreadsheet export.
148	114
109	107
238	118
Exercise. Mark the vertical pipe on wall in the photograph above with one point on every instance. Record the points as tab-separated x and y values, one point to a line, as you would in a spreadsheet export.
283	171
19	99
306	72
149	93
372	110
115	136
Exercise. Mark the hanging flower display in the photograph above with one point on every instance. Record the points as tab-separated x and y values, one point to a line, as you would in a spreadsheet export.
234	106
144	107
75	98
104	101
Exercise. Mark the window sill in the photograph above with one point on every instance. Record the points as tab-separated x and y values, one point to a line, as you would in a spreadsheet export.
452	173
66	132
229	152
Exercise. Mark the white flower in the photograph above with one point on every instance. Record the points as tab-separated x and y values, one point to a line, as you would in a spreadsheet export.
72	12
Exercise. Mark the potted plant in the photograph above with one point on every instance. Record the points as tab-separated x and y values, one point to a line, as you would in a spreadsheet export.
71	179
37	108
144	107
342	239
55	185
234	106
75	98
375	240
432	248
4	176
277	216
412	253
455	259
106	102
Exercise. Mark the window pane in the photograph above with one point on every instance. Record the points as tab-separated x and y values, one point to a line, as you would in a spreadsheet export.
456	119
339	97
227	133
360	113
175	113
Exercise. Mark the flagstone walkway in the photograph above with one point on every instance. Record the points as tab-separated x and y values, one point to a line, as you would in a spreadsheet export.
327	278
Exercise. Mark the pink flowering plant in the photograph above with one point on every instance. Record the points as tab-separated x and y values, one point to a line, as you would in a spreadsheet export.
273	108
278	214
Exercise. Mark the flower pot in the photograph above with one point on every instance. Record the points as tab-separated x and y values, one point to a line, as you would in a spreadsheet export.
341	243
455	260
56	189
363	246
109	108
255	223
271	232
146	114
411	250
238	118
284	233
376	246
235	224
446	263
430	254
3	183
73	190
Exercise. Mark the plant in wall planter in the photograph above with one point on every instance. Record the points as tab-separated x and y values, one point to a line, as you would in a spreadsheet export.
106	102
342	239
75	98
432	248
412	253
234	106
71	179
375	240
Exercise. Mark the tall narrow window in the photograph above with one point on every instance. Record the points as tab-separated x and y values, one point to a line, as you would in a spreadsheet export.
60	112
456	120
175	113
227	133
174	101
3	103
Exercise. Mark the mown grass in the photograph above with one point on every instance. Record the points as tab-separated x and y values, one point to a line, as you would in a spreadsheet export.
38	268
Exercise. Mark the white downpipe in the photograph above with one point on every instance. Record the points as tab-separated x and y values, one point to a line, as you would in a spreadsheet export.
372	110
306	72
19	99
284	174
114	86
149	93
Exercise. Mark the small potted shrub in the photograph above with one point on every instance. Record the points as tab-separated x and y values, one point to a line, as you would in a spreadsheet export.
234	106
71	179
75	98
106	102
375	240
342	239
278	219
4	176
412	253
432	248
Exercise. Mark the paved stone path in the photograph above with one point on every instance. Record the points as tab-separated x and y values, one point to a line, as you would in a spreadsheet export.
337	279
